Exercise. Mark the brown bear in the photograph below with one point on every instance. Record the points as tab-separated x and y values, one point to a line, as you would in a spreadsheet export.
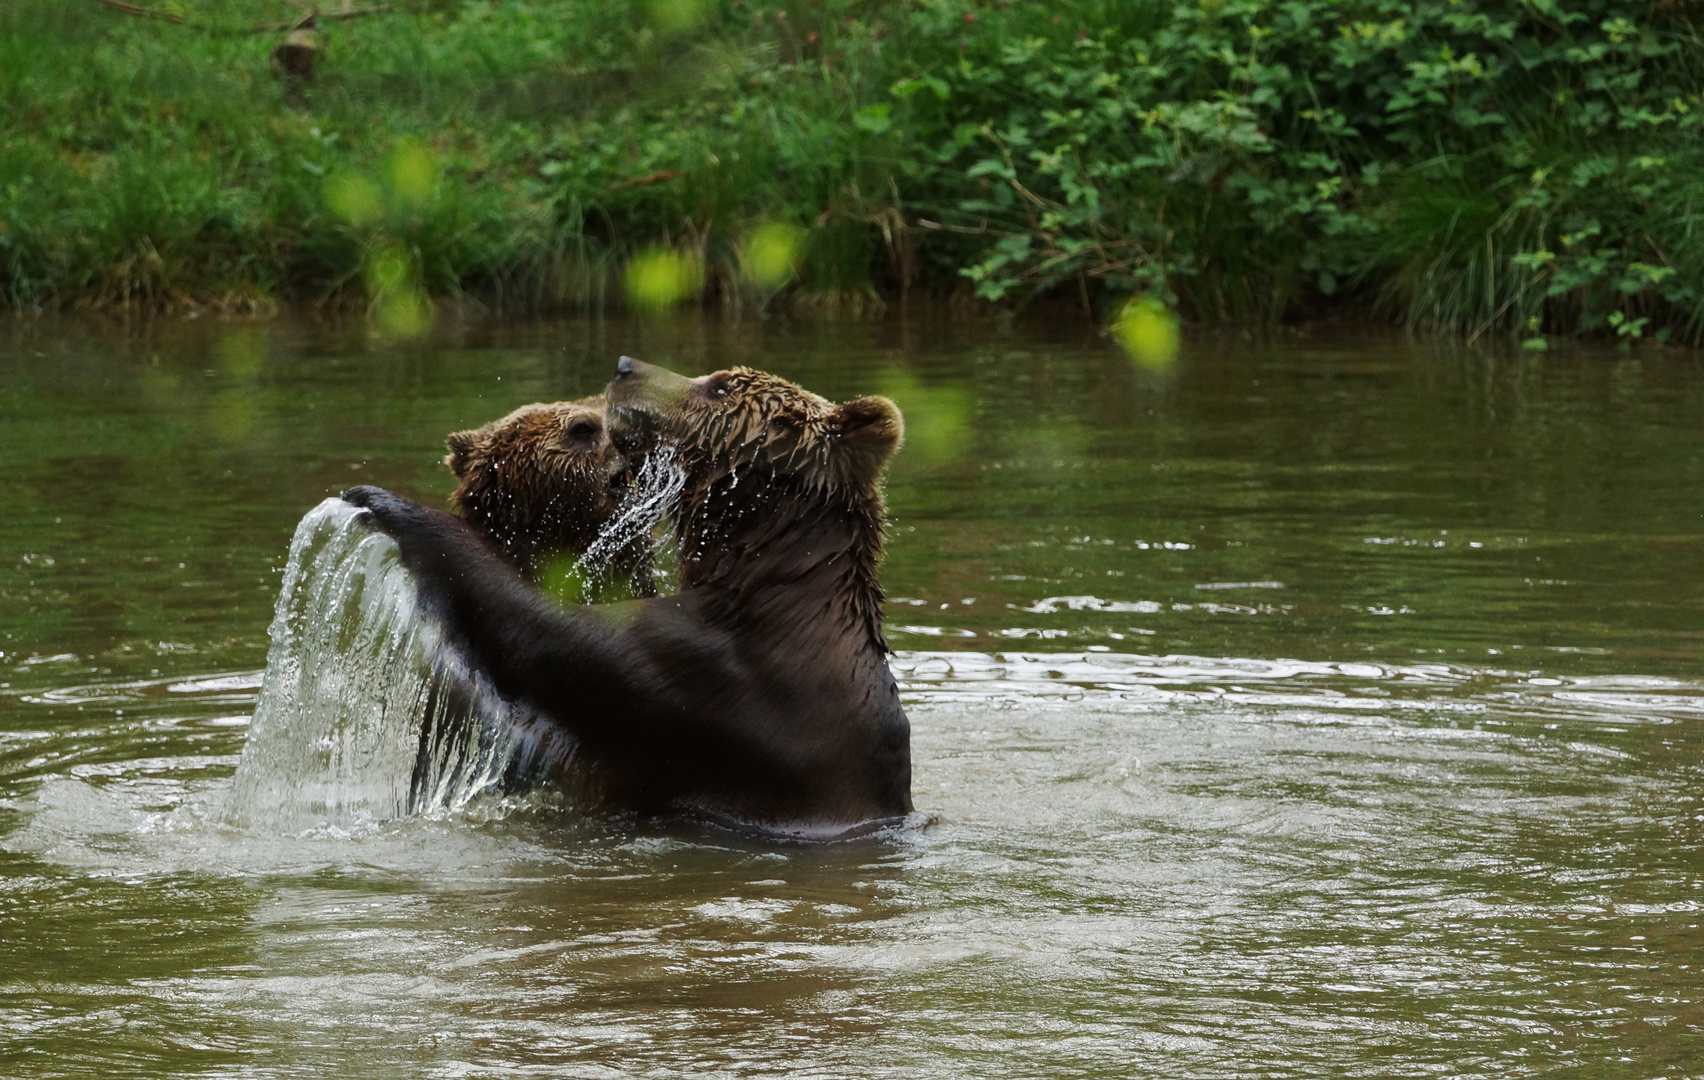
760	694
542	484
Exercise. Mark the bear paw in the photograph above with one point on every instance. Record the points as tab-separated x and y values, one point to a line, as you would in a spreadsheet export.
390	513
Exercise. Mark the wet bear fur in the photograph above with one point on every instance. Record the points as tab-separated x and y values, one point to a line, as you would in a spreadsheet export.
545	480
760	694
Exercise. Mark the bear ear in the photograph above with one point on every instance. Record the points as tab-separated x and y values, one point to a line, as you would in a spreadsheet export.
460	457
868	431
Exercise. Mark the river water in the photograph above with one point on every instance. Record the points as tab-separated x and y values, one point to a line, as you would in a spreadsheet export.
1323	706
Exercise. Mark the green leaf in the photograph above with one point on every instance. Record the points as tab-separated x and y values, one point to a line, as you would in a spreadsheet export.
904	88
873	119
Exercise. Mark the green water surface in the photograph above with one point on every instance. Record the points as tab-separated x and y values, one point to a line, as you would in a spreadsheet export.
1324	706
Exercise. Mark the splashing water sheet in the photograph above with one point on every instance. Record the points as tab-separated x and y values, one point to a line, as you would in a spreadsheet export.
656	485
365	713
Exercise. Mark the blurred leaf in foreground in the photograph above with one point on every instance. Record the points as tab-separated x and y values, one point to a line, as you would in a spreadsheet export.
662	277
1148	332
772	254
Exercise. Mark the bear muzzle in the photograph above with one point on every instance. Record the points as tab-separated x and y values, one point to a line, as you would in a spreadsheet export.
640	396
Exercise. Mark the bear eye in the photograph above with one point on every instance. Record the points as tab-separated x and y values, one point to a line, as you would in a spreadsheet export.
583	430
716	389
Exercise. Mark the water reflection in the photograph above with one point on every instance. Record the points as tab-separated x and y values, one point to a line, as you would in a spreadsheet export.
635	949
1411	499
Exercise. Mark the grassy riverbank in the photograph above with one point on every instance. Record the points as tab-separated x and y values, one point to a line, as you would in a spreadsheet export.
1482	167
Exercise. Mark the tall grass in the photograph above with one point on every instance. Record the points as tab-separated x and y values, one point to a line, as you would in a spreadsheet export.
1476	167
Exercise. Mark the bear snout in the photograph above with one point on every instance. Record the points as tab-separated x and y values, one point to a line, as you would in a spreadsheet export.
636	382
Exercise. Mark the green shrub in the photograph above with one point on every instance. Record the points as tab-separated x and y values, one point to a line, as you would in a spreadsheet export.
1478	167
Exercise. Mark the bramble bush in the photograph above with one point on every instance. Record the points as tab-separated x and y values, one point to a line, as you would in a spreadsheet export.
1478	167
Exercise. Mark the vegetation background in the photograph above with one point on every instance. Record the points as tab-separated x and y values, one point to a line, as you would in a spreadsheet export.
1477	167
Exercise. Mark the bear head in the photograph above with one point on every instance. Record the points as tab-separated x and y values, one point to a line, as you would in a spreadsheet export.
778	481
543	480
721	422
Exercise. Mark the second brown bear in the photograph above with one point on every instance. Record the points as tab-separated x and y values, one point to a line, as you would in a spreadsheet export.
545	481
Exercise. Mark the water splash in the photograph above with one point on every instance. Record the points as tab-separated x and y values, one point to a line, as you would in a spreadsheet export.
655	491
365	712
